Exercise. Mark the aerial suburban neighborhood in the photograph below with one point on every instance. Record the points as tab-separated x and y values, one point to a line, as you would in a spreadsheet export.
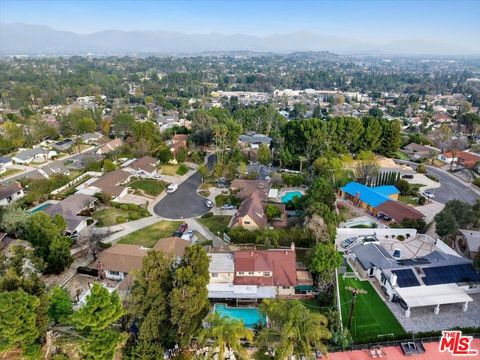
168	195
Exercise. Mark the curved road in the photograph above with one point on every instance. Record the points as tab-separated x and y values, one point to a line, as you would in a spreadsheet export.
185	202
451	188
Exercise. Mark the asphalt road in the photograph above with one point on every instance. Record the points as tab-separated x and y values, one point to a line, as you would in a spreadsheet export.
185	202
451	188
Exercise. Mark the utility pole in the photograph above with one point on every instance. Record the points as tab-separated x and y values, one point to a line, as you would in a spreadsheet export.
354	292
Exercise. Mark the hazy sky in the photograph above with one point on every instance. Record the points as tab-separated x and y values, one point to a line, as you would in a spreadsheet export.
372	21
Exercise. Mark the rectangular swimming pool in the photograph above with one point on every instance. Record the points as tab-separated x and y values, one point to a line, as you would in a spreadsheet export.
289	195
250	316
40	208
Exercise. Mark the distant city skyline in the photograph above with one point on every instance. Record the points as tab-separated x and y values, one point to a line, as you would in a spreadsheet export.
374	22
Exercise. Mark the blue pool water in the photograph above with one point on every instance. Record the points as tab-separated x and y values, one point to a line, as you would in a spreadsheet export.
40	208
249	315
290	195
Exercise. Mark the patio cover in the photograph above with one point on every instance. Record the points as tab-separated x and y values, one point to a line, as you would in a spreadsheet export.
230	291
416	296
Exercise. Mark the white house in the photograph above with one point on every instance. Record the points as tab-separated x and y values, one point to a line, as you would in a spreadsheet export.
54	168
33	155
11	193
4	163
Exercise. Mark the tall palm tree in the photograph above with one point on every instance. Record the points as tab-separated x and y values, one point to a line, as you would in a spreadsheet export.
294	330
226	335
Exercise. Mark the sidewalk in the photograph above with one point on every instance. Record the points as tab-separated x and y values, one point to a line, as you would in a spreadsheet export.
122	230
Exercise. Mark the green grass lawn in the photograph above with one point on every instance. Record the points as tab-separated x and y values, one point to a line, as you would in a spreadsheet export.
121	213
401	155
9	173
169	169
149	186
409	200
151	234
371	318
182	169
216	224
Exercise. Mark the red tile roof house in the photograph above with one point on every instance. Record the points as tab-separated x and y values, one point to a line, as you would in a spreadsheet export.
276	267
466	159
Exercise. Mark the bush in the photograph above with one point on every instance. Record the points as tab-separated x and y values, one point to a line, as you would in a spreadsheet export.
293	179
432	177
134	216
421	169
400	237
207	215
204	193
421	200
123	207
222	199
121	219
476	182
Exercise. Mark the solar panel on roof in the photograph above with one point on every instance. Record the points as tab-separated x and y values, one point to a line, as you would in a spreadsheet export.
450	274
406	278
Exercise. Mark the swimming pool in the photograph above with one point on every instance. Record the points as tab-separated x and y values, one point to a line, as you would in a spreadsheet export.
249	315
289	195
40	208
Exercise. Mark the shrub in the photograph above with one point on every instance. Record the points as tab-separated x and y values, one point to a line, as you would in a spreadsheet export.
400	237
204	193
272	211
293	179
476	182
121	219
124	207
207	215
134	216
421	169
421	200
432	177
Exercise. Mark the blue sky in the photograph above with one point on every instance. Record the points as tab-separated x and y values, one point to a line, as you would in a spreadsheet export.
372	21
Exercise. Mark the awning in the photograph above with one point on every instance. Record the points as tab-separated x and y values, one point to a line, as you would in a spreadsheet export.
433	295
305	288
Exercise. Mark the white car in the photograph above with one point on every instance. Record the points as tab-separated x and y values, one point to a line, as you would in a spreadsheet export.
428	195
172	188
209	204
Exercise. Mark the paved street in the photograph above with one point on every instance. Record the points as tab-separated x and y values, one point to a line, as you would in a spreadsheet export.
451	188
185	202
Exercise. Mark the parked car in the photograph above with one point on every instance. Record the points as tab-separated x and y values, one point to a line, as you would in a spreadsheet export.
407	176
397	253
181	229
347	242
172	188
428	194
190	234
209	204
228	207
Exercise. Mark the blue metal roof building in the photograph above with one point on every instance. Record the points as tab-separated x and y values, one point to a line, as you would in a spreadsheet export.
374	196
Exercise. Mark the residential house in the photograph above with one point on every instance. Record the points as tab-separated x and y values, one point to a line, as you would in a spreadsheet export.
179	141
419	152
10	193
110	146
379	201
250	214
471	240
244	188
111	183
462	158
71	209
54	168
91	138
119	260
34	155
257	274
63	145
4	163
431	280
254	140
145	167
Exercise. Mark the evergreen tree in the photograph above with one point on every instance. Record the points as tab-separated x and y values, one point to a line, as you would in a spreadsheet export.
60	305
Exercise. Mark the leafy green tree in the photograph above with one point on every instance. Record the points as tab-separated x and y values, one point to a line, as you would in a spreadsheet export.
372	136
181	155
203	171
272	211
391	138
13	219
123	124
163	153
321	191
85	125
145	350
226	335
108	166
46	235
294	330
18	327
263	154
94	322
376	112
59	305
148	301
325	259
446	224
189	297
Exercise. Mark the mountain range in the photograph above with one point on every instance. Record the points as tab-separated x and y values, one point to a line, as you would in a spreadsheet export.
19	39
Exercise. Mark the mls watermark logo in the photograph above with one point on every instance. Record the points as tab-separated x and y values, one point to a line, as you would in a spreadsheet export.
455	343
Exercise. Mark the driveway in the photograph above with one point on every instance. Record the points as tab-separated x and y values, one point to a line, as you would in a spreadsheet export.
185	202
451	188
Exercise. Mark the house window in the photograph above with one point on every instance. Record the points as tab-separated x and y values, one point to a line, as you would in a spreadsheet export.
285	287
240	273
266	273
115	273
251	273
246	222
214	275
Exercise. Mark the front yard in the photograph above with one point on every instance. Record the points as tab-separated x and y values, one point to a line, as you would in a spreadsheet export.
151	234
9	172
118	214
148	186
216	224
372	319
172	170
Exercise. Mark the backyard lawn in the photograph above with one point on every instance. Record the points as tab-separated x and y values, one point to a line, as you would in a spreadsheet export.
151	234
372	319
216	224
148	186
409	200
119	214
